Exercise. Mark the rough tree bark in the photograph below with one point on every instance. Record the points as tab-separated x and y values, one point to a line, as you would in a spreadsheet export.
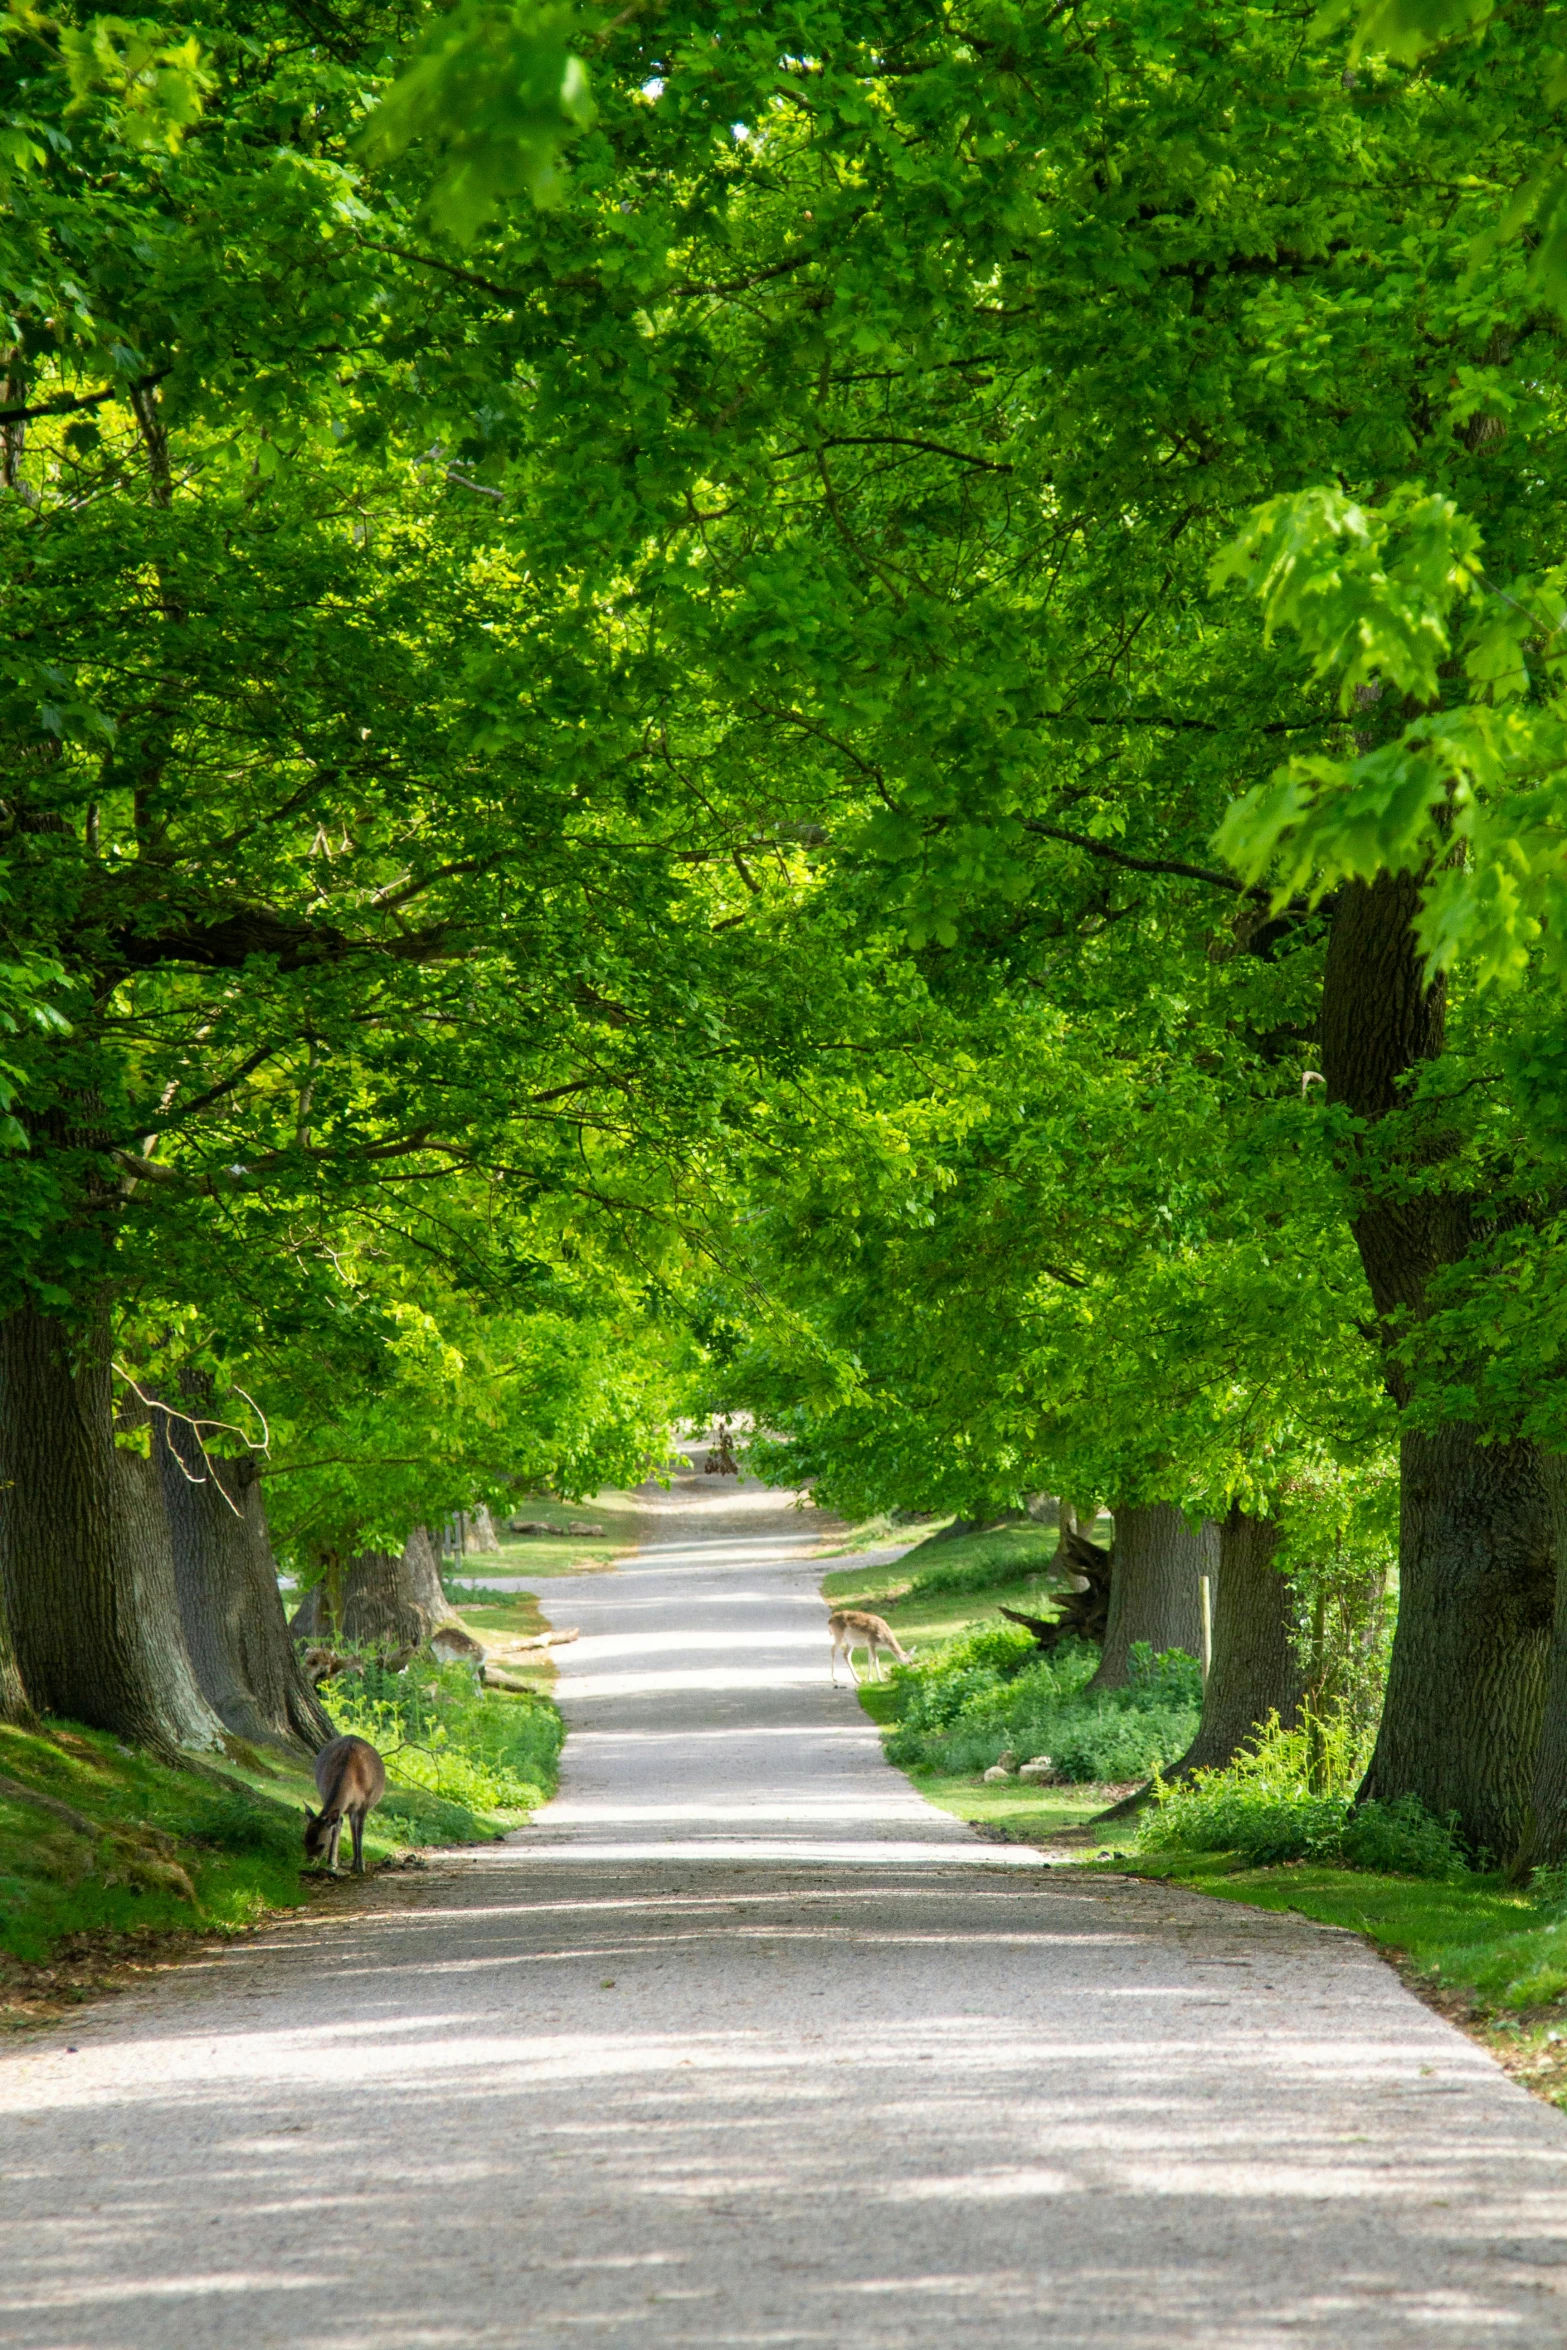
1256	1669
229	1600
144	1565
1466	1687
1155	1565
392	1602
1544	1837
14	1707
387	1601
93	1619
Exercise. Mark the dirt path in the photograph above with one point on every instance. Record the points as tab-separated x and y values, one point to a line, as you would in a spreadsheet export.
743	2044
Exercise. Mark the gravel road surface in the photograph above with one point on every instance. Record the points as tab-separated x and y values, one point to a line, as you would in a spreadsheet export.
742	2043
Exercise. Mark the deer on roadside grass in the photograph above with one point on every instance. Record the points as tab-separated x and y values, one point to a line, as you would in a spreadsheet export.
850	1628
351	1779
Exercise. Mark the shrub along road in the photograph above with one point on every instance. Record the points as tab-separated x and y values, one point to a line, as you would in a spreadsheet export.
743	2042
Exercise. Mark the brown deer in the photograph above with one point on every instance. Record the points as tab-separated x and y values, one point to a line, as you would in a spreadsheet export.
351	1778
853	1627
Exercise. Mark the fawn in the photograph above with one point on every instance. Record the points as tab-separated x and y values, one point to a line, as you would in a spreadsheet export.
851	1627
351	1778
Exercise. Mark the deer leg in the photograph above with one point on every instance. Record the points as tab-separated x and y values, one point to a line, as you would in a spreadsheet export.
356	1821
331	1850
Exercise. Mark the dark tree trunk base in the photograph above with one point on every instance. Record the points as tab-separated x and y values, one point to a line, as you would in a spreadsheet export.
1156	1565
1256	1671
233	1612
88	1594
1467	1686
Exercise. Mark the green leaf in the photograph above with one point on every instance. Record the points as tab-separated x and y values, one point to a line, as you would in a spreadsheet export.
494	93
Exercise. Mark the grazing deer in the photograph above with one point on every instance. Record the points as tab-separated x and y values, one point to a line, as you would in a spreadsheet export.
851	1627
351	1778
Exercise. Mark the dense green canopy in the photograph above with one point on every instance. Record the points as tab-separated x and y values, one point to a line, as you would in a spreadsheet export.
873	695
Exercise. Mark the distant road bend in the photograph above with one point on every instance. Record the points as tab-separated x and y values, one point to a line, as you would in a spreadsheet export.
743	2043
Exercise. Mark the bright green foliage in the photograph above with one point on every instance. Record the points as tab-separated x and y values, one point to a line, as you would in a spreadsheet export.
1474	791
958	1707
428	1397
1271	1805
439	1732
490	95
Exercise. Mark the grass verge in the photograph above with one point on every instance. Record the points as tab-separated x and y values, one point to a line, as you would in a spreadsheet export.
109	1858
939	1588
1491	1958
557	1553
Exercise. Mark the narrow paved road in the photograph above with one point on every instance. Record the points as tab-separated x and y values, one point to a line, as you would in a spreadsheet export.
742	2044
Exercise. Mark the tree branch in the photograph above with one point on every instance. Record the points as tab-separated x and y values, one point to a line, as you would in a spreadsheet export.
1172	865
73	403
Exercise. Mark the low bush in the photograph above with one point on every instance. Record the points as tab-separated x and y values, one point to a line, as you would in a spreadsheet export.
959	1706
1265	1808
438	1731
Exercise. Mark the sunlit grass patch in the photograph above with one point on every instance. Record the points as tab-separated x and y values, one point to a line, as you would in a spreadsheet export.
1023	1814
939	1588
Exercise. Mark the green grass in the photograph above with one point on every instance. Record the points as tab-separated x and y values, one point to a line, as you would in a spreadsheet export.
1026	1815
563	1554
156	1849
1014	1567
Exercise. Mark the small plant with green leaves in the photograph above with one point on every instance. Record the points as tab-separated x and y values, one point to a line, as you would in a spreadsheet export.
439	1732
960	1706
1268	1807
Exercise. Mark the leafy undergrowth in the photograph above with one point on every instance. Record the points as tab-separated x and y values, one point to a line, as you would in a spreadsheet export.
475	1753
1264	1808
988	1691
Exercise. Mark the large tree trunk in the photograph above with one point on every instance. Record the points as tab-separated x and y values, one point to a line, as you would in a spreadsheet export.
1155	1569
144	1565
233	1612
392	1602
1256	1670
93	1619
1471	1656
422	1566
14	1707
1545	1837
1466	1687
480	1531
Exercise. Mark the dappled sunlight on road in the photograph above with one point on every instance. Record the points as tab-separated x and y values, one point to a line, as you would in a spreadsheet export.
742	2043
